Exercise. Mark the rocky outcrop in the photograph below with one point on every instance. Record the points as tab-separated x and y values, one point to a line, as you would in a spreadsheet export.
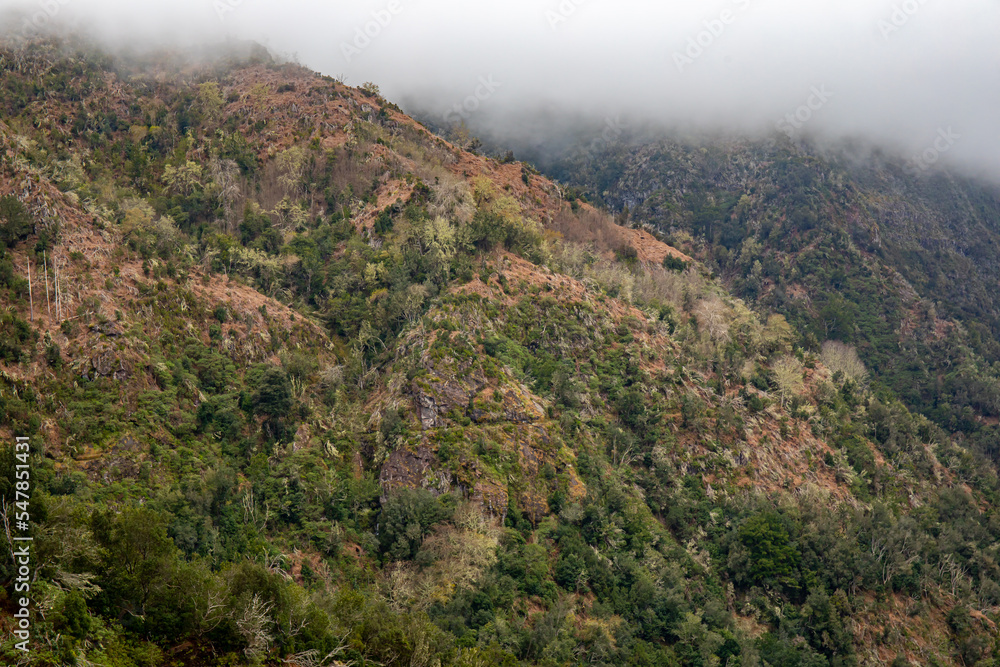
452	396
108	328
492	497
406	469
434	402
420	468
427	410
105	363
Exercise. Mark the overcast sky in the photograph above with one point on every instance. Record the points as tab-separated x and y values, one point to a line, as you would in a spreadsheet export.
919	75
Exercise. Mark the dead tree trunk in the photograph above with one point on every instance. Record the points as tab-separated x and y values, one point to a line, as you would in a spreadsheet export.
31	299
45	268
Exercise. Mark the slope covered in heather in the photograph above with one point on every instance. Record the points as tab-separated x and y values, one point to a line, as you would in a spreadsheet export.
309	385
865	249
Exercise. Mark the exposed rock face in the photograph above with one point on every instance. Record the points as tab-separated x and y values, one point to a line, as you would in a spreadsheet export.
406	469
122	460
106	364
535	504
108	328
128	443
577	489
515	407
434	401
492	497
427	411
496	409
302	437
420	469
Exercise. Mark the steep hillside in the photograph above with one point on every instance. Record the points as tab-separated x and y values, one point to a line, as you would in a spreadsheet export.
308	385
863	250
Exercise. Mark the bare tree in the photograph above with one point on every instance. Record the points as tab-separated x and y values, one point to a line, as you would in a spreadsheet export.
711	316
788	373
226	173
843	358
253	623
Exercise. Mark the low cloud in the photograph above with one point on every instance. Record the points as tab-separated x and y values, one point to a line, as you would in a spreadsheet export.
897	73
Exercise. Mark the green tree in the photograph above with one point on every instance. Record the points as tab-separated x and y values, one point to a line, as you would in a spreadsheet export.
272	396
407	517
136	555
765	555
71	617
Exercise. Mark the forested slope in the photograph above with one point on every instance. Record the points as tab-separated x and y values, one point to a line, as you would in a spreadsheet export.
859	248
308	385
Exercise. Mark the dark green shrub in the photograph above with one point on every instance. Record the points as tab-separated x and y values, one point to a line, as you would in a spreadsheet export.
71	616
407	517
272	395
15	221
53	355
768	556
672	263
15	335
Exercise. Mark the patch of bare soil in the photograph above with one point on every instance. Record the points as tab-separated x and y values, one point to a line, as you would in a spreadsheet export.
649	249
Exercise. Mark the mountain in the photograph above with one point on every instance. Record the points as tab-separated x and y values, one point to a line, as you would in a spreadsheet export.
307	384
860	248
